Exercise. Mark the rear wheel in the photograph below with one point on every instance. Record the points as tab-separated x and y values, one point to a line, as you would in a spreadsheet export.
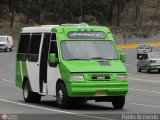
118	102
30	97
63	100
138	68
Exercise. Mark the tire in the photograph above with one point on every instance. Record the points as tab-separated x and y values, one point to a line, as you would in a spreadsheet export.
118	102
10	49
147	70
6	50
138	69
62	98
30	97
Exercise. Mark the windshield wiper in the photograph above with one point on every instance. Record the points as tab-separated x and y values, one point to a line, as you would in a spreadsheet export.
98	58
76	59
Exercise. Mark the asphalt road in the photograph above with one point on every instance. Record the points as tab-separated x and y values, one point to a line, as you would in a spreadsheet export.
143	96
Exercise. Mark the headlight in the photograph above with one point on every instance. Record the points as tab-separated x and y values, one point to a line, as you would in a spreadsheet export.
77	78
122	77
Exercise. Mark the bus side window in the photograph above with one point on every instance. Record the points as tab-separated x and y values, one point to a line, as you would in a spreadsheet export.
53	37
23	47
53	47
7	39
34	48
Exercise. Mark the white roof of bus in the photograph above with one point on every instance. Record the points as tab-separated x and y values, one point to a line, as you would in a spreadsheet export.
5	36
38	29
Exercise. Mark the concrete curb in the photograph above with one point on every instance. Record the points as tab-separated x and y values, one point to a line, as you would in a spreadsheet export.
127	46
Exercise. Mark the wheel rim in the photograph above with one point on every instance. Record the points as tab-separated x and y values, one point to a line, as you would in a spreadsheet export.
25	92
60	96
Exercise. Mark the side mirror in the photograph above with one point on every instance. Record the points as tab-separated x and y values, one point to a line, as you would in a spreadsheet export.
122	57
52	58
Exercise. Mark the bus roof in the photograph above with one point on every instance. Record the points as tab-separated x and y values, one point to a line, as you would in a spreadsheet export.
38	29
5	36
49	28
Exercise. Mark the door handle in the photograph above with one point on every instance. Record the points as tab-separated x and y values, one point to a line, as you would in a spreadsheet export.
37	64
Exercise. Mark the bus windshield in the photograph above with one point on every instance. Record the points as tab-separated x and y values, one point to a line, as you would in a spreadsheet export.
88	50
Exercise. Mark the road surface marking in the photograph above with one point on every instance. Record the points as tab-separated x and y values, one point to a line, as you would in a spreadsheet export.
135	79
145	105
53	110
127	64
7	80
144	90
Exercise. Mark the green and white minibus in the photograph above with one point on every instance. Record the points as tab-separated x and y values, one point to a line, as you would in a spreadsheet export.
72	62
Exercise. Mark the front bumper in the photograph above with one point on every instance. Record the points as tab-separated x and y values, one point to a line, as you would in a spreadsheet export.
154	67
2	47
89	89
141	53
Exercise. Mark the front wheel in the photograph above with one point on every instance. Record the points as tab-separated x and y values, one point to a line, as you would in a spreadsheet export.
138	68
147	69
118	102
10	49
63	100
30	97
6	50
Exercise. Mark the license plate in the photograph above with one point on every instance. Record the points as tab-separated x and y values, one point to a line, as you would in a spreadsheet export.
101	93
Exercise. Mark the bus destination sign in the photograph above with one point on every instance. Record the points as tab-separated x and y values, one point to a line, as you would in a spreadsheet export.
78	35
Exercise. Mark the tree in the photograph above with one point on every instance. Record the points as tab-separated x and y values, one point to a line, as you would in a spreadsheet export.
136	15
156	10
43	5
142	10
13	6
29	11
